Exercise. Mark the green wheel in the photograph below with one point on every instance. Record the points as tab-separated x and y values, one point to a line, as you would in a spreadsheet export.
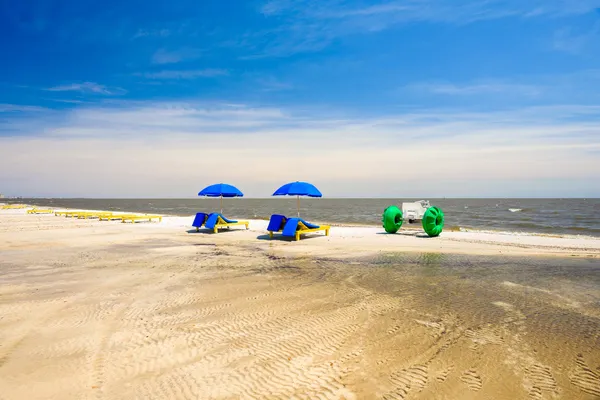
392	219
433	221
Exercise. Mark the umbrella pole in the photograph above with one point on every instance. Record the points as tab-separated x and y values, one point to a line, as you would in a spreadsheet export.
298	204
221	204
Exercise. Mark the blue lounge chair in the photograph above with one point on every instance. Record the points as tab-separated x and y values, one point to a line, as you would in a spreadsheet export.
294	227
276	224
217	221
199	220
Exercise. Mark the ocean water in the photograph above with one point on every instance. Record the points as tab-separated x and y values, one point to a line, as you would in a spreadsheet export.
549	216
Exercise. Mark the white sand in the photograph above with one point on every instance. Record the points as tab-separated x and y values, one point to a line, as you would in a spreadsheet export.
110	310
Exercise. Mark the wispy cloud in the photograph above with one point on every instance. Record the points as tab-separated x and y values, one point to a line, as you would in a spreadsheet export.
311	25
183	74
482	88
295	37
518	90
271	84
575	41
431	10
152	33
68	101
20	108
87	87
534	145
163	56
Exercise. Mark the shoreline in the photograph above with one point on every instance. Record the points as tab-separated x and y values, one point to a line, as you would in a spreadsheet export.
537	216
415	227
565	219
354	239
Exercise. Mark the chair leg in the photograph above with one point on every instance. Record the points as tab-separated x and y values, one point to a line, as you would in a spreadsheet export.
297	236
270	235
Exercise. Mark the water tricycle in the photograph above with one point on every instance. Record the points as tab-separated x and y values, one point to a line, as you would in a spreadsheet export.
432	217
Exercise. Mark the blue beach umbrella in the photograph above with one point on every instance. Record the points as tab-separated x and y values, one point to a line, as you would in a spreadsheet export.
298	189
221	190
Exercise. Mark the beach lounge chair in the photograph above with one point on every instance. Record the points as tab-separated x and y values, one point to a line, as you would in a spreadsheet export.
13	206
74	214
82	214
199	220
217	221
98	215
86	215
276	224
40	211
294	227
111	216
134	218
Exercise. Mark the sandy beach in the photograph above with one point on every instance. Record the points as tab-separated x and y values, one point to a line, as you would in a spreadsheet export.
106	310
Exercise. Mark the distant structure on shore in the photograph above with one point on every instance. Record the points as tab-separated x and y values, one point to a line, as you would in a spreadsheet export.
1	196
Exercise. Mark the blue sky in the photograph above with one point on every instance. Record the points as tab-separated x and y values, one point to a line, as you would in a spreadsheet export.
403	98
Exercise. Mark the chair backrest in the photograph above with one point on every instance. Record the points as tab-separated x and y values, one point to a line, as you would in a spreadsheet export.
212	220
200	219
276	223
291	226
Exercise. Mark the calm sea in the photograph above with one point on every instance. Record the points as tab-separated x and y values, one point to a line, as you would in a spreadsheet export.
559	216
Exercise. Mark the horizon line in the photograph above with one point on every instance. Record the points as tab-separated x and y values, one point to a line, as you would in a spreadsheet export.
304	197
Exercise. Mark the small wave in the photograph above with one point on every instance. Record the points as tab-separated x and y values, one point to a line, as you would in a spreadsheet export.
515	209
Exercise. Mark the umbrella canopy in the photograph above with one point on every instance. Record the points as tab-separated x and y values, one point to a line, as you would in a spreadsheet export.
221	190
298	189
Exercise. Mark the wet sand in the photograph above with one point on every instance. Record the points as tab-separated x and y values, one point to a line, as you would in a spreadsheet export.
104	310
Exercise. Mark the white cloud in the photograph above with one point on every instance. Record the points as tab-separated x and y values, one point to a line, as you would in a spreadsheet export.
20	108
184	74
152	33
544	88
271	84
482	88
431	10
163	56
87	87
311	25
158	149
576	41
68	101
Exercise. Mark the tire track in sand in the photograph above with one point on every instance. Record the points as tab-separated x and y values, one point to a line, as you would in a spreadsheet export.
472	379
542	380
583	377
